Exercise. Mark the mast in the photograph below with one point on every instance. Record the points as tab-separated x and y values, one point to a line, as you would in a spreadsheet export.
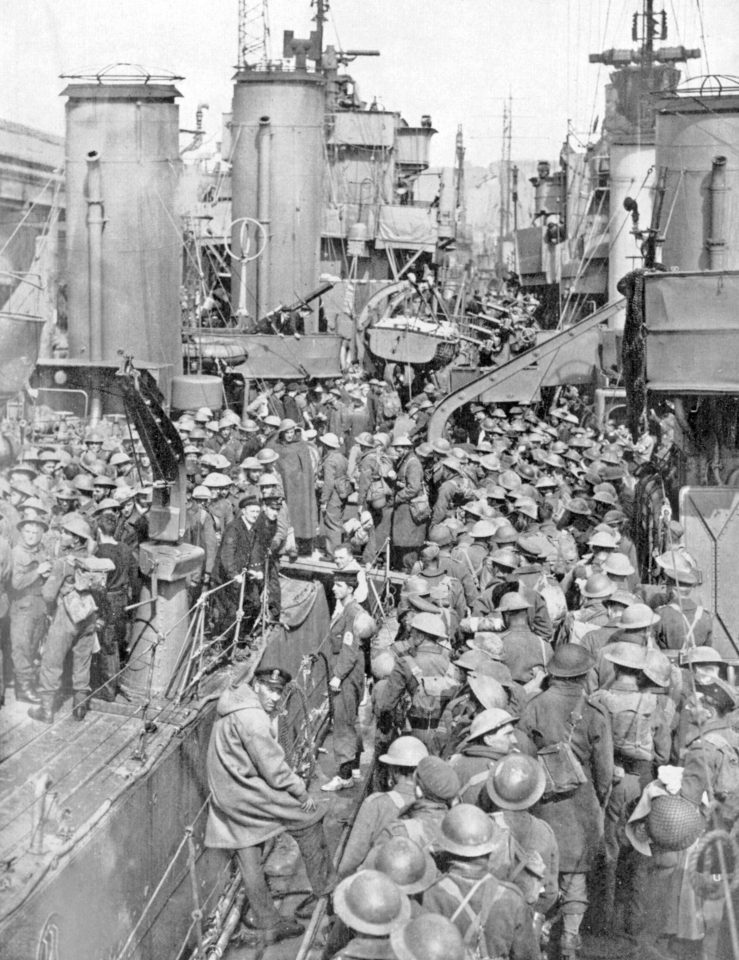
504	224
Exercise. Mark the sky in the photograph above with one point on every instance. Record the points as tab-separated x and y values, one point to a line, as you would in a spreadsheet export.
457	60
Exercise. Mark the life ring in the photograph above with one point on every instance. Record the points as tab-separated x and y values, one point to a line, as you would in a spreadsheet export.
345	356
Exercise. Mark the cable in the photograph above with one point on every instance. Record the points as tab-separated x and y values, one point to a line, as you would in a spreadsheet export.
703	33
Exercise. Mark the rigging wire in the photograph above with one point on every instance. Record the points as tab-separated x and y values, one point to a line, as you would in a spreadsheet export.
703	34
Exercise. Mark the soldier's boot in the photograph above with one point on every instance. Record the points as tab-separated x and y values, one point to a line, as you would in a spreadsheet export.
110	666
44	711
80	704
25	693
569	946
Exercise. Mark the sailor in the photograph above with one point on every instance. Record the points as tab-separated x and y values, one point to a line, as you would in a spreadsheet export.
346	685
255	796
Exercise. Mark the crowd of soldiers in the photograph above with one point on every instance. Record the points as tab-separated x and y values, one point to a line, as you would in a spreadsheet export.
552	736
534	704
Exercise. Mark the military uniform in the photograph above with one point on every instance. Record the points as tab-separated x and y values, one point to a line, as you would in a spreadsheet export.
431	680
28	621
374	816
495	915
672	632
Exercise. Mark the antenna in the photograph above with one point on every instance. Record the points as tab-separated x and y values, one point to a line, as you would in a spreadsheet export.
253	32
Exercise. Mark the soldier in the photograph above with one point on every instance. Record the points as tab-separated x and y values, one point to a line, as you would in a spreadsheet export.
200	530
436	791
428	937
75	580
335	487
492	736
562	717
408	524
255	796
428	676
514	785
524	653
380	809
683	622
491	914
371	906
30	568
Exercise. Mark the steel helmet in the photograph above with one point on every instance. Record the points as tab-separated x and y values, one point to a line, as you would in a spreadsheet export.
107	503
483	529
126	493
416	586
432	624
637	617
512	601
364	625
329	440
83	482
674	823
428	937
516	782
467	832
201	493
701	655
473	660
602	539
407	865
77	525
619	565
598	586
509	480
370	902
526	506
677	568
624	654
383	664
570	660
217	481
489	721
494	491
505	558
657	668
490	462
506	533
440	534
405	752
491	643
578	506
488	691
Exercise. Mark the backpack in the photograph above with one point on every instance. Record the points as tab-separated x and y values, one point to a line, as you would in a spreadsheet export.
726	787
343	486
390	404
631	722
435	688
563	772
474	935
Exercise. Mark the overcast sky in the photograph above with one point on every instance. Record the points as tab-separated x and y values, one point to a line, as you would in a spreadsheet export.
454	59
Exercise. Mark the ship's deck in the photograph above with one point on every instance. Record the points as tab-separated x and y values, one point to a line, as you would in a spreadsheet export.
73	769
